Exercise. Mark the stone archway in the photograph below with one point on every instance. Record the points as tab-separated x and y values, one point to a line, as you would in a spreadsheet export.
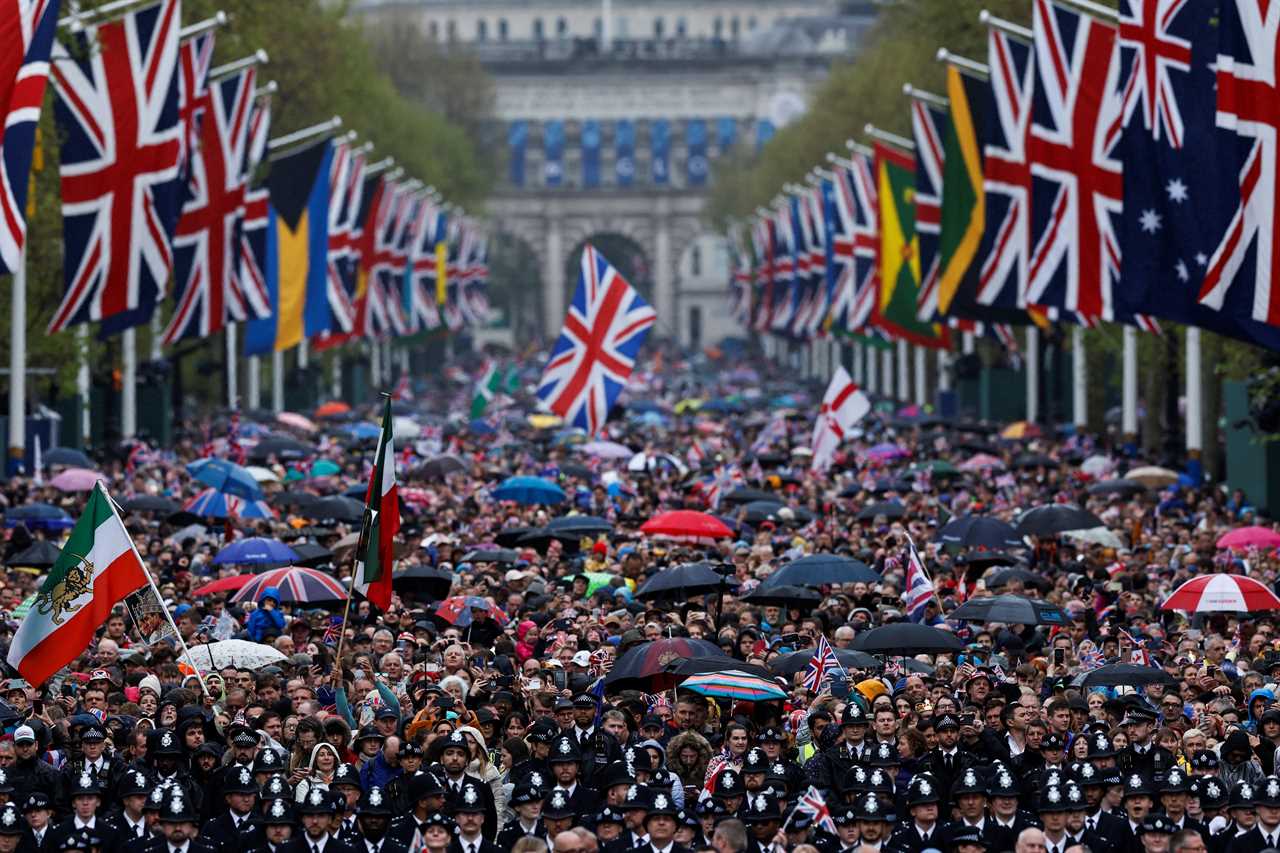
626	255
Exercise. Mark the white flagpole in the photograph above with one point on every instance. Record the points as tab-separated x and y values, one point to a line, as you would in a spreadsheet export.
1195	396
37	461
129	384
233	368
277	381
921	397
82	383
1079	376
904	373
18	364
1032	366
253	382
1129	412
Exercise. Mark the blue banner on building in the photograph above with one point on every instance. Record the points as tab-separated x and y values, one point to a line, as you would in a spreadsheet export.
660	142
591	153
553	151
517	137
624	142
695	139
726	133
764	132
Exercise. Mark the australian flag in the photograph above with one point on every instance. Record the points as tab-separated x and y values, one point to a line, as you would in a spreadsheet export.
1180	177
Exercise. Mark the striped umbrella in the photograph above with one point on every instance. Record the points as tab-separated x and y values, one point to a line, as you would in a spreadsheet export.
212	503
1222	593
295	584
732	684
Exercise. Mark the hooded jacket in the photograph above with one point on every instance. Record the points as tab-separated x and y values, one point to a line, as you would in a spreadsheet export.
263	622
1248	770
692	774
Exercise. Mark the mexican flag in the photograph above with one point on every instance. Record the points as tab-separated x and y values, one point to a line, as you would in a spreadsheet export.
374	558
97	568
490	383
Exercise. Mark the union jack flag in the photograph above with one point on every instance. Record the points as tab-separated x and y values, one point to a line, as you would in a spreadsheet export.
249	298
839	262
1078	192
332	631
346	184
821	666
1248	78
395	272
929	127
866	241
919	587
741	280
813	231
785	272
207	242
812	804
25	42
117	108
605	327
195	58
383	261
1144	29
424	310
763	245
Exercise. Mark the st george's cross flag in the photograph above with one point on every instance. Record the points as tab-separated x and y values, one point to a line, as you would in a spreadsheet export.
375	556
98	567
26	36
843	405
607	323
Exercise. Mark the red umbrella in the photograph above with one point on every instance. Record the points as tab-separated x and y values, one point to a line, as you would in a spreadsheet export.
231	584
686	524
457	610
1227	593
1250	537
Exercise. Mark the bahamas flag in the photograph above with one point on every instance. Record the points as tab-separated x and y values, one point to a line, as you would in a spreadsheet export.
899	252
297	252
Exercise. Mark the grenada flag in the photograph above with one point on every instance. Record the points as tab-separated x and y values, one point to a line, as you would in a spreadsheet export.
98	567
374	556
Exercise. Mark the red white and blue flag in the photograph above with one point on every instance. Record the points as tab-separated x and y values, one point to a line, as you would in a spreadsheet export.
117	110
424	311
607	323
821	666
249	299
195	59
346	186
27	28
919	588
812	804
207	242
929	127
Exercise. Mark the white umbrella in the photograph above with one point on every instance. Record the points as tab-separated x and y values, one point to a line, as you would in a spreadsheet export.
263	475
645	462
241	654
404	427
1096	536
1097	465
606	450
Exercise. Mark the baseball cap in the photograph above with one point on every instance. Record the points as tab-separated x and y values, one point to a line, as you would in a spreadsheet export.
23	734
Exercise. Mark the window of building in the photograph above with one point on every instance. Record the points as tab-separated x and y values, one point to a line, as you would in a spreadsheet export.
433	30
695	261
537	29
751	24
718	28
502	29
597	27
482	30
695	326
451	30
682	27
735	27
658	28
562	27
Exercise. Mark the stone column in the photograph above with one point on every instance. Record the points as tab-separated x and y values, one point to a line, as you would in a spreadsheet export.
553	301
664	289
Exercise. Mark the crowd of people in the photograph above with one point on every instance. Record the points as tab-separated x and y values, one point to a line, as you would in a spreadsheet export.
497	720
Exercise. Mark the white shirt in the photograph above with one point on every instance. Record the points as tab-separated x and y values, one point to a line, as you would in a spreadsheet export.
1056	846
666	849
925	833
527	828
178	849
240	819
138	829
469	845
89	824
1015	748
315	843
568	791
980	825
374	846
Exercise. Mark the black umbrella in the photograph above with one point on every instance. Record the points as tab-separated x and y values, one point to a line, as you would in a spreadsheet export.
510	536
336	508
907	638
1052	519
983	560
576	469
1121	486
649	662
718	663
311	553
980	531
681	582
766	510
746	495
41	554
1029	578
783	596
67	456
151	503
1034	460
577	526
793	662
293	500
281	447
822	570
889	509
491	555
1011	610
882	485
1128	674
438	467
424	582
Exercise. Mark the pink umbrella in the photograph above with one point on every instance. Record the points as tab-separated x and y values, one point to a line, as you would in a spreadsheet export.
981	462
76	480
296	421
1223	593
1250	537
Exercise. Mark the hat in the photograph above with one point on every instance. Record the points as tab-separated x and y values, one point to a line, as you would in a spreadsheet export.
346	774
967	836
1137	785
1268	793
469	799
1242	796
1052	799
279	812
609	814
564	750
884	755
370	733
853	715
164	742
95	733
1052	742
386	712
755	761
922	790
176	807
524	793
1204	760
238	780
970	782
276	788
1076	801
1157	823
1175	782
37	800
424	785
759	808
375	802
562	704
516	575
1002	784
661	804
317	801
582	658
869	807
557	806
1210	791
11	823
729	784
945	721
85	784
772	735
24	734
583	701
1100	746
637	759
1136	714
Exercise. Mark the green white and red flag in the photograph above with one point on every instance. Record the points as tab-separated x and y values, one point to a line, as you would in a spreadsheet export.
374	556
98	567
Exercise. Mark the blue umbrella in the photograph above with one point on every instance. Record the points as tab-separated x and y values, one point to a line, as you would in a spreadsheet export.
255	551
212	503
365	430
529	490
67	456
34	516
226	477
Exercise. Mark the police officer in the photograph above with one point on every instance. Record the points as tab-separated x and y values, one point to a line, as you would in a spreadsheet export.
374	819
526	801
566	764
469	814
